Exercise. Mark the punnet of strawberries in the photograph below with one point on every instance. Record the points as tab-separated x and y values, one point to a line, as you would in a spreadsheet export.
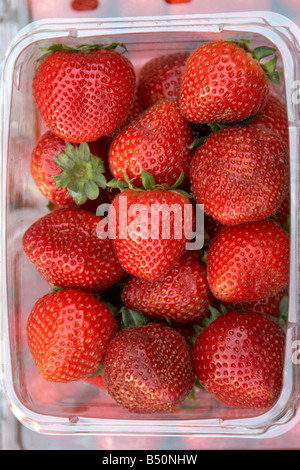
128	163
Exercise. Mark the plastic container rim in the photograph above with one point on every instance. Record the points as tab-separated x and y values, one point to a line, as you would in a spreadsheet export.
282	32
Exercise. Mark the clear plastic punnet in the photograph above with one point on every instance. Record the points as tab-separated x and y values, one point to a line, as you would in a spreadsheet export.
77	408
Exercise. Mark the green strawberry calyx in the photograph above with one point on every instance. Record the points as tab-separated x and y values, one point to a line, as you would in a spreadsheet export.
260	53
98	372
149	184
83	48
132	318
82	173
283	312
219	126
214	313
286	225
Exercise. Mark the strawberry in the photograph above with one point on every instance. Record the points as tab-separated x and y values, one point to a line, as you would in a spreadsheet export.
181	295
65	249
69	175
270	305
157	142
149	369
73	87
239	359
249	261
68	334
152	227
274	116
134	112
131	317
224	81
45	394
240	174
160	77
187	330
106	196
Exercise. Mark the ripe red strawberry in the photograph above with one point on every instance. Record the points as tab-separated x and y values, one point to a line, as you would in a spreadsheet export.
181	295
239	359
149	369
69	175
157	142
73	87
68	334
225	82
161	77
65	249
187	330
240	174
274	116
152	228
269	305
249	261
135	111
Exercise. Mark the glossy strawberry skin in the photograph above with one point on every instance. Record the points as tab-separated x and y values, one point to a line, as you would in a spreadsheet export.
149	369
141	252
249	261
182	295
157	142
68	334
135	111
269	305
239	359
274	116
44	169
161	77
72	91
240	174
65	249
222	83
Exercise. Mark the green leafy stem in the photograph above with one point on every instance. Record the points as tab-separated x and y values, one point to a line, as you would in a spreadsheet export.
82	173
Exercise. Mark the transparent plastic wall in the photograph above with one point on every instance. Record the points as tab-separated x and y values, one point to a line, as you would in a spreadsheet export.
76	408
